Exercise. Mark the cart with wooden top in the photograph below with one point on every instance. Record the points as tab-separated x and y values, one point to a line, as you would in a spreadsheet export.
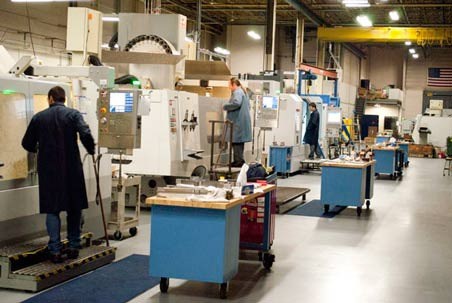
196	240
389	160
347	184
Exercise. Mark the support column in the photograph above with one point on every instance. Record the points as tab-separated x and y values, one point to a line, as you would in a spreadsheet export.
269	59
299	47
198	30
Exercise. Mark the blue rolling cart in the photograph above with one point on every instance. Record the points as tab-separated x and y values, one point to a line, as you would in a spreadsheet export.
196	240
347	184
281	157
382	139
389	161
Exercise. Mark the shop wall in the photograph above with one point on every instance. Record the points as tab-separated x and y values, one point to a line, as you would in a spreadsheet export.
385	66
416	78
349	82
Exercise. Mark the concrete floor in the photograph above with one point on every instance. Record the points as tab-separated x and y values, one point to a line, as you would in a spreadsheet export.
399	251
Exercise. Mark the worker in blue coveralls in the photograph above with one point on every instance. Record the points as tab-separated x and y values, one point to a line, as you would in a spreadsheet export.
238	112
53	134
312	132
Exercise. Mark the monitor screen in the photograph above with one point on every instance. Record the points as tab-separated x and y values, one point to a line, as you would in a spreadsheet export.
334	117
270	102
121	102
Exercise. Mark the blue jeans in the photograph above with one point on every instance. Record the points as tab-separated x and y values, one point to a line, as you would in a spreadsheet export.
315	148
53	224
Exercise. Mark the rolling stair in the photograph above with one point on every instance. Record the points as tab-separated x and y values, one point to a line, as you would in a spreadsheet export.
26	266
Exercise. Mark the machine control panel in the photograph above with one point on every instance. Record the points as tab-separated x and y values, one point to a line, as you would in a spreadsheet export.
119	122
267	111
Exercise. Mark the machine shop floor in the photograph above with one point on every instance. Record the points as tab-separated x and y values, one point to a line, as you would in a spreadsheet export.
399	251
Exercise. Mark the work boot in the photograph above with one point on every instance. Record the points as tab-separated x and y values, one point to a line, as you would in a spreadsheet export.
72	253
57	258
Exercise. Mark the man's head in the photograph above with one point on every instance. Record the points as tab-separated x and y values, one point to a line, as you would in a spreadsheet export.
56	94
312	106
234	83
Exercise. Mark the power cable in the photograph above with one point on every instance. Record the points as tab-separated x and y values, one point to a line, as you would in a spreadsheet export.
29	29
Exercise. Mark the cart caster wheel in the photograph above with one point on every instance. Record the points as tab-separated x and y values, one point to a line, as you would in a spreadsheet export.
326	208
133	231
368	204
118	235
223	290
268	260
164	285
359	211
377	175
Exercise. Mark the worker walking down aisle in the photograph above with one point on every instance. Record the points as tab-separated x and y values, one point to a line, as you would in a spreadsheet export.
52	134
312	132
238	112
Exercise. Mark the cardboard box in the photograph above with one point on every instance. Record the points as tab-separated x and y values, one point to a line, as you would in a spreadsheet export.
372	131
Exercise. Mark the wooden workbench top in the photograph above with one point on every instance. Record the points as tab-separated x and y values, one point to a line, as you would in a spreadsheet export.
206	204
347	164
375	147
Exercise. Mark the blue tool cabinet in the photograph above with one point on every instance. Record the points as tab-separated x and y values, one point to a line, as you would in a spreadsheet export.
280	158
389	161
347	184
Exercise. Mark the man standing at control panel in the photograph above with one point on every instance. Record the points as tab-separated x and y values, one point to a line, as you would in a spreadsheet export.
52	134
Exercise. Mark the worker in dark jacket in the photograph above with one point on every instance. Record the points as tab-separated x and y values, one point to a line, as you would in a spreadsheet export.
238	112
52	134
312	132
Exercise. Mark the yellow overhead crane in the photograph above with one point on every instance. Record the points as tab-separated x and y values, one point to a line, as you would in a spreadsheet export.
423	36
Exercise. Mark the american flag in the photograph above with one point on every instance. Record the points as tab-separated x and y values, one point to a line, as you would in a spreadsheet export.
440	77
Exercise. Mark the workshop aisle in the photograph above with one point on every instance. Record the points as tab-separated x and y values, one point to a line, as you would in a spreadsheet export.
399	251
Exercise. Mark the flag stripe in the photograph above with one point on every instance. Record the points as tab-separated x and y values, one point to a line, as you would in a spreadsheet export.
439	77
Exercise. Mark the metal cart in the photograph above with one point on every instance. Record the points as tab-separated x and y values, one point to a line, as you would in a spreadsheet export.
118	221
347	184
389	161
196	240
257	224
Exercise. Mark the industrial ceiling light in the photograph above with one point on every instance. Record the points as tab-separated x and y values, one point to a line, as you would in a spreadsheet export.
415	56
364	21
254	35
221	51
356	3
408	43
110	18
394	15
412	51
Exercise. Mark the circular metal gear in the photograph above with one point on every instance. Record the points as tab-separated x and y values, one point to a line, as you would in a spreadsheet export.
150	44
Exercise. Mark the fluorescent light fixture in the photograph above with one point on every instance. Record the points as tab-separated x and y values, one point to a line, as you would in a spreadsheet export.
412	51
110	18
106	46
254	35
221	51
356	3
415	56
188	39
394	15
364	21
408	43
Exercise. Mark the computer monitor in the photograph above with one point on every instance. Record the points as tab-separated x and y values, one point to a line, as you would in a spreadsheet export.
270	102
121	102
